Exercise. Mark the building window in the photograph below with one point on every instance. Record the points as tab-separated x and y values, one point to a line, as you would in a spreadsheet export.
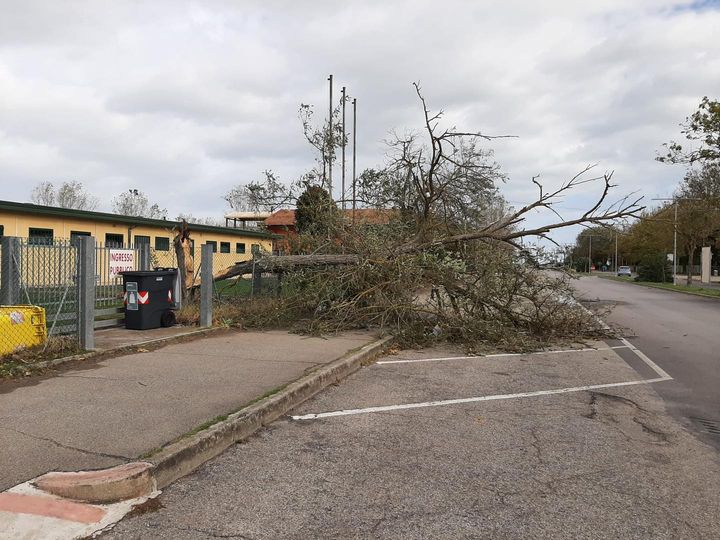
162	243
213	244
114	240
141	240
76	235
240	247
2	231
224	247
40	237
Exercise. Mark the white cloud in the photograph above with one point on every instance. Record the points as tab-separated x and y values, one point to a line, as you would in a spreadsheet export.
184	99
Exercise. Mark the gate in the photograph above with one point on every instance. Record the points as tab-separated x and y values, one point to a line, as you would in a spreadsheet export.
109	261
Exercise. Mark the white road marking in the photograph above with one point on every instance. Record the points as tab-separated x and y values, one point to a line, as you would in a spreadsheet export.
367	410
663	376
499	355
657	369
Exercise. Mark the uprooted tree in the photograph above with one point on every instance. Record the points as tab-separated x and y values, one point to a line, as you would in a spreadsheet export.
447	262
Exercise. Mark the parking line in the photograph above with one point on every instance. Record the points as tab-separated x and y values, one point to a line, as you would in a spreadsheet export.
499	355
657	369
663	376
348	412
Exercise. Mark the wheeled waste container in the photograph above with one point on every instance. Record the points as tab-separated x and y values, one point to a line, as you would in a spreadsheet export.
149	298
21	327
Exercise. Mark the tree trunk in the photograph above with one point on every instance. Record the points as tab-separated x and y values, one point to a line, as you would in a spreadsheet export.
279	263
184	254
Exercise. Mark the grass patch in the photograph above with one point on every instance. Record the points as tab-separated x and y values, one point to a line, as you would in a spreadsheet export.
698	291
24	363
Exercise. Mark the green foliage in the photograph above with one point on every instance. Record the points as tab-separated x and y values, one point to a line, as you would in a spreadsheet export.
316	211
580	264
703	127
655	268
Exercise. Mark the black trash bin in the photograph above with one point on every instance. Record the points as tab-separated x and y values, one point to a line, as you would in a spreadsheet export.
149	298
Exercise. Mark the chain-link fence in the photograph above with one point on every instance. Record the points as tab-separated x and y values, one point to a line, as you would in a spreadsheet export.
223	258
38	273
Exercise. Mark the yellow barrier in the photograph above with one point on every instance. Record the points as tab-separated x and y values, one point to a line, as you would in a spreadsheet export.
21	327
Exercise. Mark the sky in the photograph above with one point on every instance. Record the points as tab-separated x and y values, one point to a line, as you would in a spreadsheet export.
185	100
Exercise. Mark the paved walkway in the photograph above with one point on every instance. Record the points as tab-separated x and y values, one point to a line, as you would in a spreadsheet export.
112	411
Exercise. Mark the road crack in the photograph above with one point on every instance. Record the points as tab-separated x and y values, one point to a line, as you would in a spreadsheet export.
68	447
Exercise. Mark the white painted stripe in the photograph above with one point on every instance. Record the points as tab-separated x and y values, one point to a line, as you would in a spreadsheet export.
499	355
442	403
657	369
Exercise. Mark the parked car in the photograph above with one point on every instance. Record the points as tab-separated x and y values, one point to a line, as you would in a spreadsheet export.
624	271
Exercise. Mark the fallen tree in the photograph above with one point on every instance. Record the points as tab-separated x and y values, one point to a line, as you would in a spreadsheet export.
282	263
451	263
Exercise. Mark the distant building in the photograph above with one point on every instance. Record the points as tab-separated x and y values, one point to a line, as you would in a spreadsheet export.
43	224
282	223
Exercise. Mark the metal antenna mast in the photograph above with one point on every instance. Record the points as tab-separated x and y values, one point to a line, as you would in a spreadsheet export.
330	140
354	150
342	197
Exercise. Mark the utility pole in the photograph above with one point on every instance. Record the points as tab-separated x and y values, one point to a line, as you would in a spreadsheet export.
589	253
354	203
343	149
616	250
330	140
675	204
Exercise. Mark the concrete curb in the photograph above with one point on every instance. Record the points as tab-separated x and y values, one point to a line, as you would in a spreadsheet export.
128	481
182	457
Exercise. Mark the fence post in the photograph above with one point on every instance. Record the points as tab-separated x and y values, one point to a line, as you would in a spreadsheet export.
86	292
11	260
206	284
256	288
144	262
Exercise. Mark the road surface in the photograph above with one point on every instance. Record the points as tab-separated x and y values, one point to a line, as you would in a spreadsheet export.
424	445
681	333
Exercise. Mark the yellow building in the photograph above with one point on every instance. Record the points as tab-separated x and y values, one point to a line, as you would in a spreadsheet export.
41	225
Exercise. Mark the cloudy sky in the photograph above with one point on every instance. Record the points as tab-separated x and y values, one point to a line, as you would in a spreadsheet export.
186	99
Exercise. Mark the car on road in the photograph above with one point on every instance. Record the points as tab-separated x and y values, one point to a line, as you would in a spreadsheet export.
624	271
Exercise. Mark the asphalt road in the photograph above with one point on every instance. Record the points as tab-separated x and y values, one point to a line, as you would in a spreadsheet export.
600	462
681	333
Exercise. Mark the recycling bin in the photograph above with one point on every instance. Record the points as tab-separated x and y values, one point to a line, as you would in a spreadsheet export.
148	296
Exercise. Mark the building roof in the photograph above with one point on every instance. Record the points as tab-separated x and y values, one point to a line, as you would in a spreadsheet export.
248	216
36	209
281	218
367	216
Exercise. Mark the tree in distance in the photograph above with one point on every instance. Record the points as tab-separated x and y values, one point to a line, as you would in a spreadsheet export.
702	127
134	202
69	194
316	211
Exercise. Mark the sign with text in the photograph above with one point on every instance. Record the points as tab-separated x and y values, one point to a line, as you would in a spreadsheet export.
131	296
121	260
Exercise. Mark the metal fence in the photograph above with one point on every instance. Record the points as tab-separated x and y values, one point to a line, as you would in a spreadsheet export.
42	274
80	286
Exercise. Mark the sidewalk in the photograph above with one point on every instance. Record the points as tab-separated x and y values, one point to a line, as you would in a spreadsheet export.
115	410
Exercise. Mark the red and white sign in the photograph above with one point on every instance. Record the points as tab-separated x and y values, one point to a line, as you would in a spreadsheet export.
143	297
170	295
121	260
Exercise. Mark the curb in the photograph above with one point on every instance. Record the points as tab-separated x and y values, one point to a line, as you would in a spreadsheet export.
182	457
128	481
